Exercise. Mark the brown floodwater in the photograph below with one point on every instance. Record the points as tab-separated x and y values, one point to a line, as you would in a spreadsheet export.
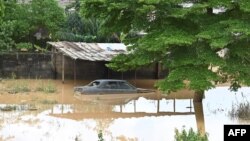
63	116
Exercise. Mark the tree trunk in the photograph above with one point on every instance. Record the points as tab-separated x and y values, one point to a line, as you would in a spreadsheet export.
198	96
198	109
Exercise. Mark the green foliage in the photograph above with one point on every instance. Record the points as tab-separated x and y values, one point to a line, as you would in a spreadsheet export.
1	9
35	21
77	28
6	31
191	135
65	36
185	39
24	46
100	136
45	15
18	88
17	14
74	5
74	23
47	87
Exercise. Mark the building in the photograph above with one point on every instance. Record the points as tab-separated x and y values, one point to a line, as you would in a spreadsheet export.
79	60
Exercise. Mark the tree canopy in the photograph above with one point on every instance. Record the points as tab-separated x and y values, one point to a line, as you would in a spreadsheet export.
29	22
201	42
1	9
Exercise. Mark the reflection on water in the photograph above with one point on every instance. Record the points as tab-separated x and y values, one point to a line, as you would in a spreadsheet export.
137	117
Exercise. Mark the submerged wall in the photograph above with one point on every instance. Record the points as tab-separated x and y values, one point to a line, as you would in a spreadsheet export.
26	65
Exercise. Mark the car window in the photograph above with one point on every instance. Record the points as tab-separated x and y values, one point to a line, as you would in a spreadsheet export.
95	83
111	85
124	85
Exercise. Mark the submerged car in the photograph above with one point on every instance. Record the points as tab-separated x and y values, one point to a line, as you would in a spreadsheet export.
107	86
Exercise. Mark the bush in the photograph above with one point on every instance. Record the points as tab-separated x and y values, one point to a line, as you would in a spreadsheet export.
100	136
189	136
24	46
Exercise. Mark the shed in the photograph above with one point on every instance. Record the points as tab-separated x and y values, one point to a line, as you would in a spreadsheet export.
89	51
93	53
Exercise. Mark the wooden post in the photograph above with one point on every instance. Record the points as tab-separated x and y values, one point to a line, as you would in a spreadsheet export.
120	108
53	60
158	105
190	102
134	106
108	73
74	71
174	105
135	77
63	64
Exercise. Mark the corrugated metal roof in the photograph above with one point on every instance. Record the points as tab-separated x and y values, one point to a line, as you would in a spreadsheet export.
89	51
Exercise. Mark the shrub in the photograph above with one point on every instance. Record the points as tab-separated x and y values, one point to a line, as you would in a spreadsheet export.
189	136
24	46
100	136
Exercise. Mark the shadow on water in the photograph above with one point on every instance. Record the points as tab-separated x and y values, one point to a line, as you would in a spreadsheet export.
136	117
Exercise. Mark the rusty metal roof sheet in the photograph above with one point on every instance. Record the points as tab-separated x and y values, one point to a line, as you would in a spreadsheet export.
89	51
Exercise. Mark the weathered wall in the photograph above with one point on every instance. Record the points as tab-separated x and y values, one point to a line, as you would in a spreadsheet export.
39	65
25	65
85	70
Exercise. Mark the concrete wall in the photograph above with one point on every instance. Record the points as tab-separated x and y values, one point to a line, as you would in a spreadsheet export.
83	69
25	65
39	65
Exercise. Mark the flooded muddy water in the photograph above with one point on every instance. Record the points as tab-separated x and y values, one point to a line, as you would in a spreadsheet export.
63	116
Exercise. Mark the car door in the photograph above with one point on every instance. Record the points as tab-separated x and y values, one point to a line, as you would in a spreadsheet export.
110	87
124	87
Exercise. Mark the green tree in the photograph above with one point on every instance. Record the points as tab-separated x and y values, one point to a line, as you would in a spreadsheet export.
1	9
6	28
46	17
34	22
184	36
80	29
74	26
6	31
17	14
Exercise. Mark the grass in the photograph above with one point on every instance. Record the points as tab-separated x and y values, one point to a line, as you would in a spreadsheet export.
191	135
23	86
240	111
47	87
19	88
49	101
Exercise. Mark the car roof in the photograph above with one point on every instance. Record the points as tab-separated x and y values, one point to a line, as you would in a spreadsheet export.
110	80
